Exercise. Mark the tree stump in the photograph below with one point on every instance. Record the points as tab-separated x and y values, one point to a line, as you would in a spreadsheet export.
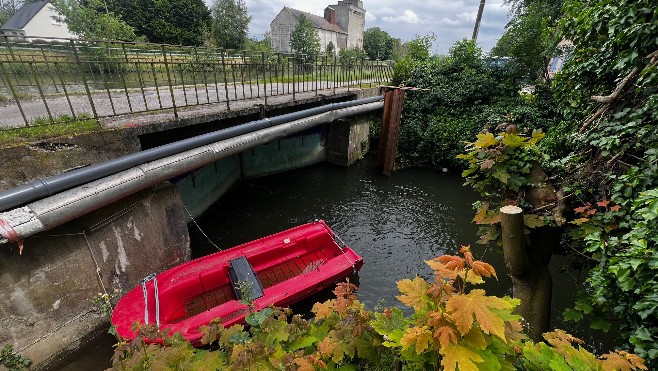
531	280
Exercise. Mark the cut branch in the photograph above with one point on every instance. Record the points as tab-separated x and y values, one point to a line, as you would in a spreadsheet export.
615	94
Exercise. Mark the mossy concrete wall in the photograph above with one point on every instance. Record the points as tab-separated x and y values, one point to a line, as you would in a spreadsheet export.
46	292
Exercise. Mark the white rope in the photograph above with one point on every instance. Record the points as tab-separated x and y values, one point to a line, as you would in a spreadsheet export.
98	268
151	277
200	230
340	243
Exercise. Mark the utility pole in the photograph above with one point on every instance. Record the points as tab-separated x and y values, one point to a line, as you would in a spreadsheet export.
477	21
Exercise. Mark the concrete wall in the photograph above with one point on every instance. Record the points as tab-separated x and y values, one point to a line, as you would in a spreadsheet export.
23	164
349	140
45	293
352	19
280	30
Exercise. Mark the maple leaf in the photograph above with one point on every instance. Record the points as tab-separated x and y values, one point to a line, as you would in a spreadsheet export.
446	335
514	331
537	135
323	310
559	338
304	364
533	221
603	203
458	356
579	221
615	208
463	309
474	339
421	336
581	209
483	269
413	292
441	270
487	164
330	348
513	140
485	140
623	361
486	216
468	255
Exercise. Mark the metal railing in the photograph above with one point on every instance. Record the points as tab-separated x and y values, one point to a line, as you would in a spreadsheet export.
48	80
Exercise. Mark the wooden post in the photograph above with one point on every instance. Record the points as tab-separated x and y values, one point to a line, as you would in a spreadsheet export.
383	132
531	280
390	130
511	222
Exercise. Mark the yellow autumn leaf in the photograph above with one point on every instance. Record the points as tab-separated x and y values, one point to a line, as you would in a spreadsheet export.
537	135
421	336
476	305
329	348
322	310
475	339
445	335
485	140
458	356
623	361
483	269
413	292
513	140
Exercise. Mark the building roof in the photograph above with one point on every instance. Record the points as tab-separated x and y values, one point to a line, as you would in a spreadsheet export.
24	15
318	22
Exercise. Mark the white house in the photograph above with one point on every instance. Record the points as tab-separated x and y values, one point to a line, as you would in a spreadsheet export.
38	19
343	25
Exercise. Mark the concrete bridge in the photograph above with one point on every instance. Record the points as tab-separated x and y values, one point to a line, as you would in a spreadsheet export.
54	80
113	242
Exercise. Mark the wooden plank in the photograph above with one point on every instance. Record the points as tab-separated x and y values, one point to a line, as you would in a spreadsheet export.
393	134
383	132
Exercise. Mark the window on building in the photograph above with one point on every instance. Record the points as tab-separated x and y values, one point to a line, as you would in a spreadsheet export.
55	21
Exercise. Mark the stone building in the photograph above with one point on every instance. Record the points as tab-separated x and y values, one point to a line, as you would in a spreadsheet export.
343	25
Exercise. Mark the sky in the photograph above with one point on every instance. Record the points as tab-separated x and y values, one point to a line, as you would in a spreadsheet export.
449	20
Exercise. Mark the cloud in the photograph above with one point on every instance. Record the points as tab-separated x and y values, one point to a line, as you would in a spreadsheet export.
450	20
407	17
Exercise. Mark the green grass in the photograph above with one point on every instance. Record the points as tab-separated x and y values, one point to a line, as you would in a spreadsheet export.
43	128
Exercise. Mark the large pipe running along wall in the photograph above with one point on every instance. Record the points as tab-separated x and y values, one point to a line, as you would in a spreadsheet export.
53	211
41	188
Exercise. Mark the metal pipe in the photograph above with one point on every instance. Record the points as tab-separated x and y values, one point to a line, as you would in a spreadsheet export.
49	186
56	210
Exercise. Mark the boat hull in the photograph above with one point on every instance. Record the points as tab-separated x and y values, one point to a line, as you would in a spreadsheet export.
290	265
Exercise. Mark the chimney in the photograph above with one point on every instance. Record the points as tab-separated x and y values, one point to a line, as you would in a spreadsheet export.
330	15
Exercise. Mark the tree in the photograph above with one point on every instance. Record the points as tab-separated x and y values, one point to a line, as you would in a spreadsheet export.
230	23
179	22
91	20
264	45
528	38
331	48
418	49
304	39
378	44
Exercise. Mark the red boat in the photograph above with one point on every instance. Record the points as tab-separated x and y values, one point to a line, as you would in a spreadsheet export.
280	270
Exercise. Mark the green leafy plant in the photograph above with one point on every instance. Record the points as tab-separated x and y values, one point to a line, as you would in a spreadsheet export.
499	168
12	360
454	326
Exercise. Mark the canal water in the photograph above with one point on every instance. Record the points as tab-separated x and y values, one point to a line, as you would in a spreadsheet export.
395	223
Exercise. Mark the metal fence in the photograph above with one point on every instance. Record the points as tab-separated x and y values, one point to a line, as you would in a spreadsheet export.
48	80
